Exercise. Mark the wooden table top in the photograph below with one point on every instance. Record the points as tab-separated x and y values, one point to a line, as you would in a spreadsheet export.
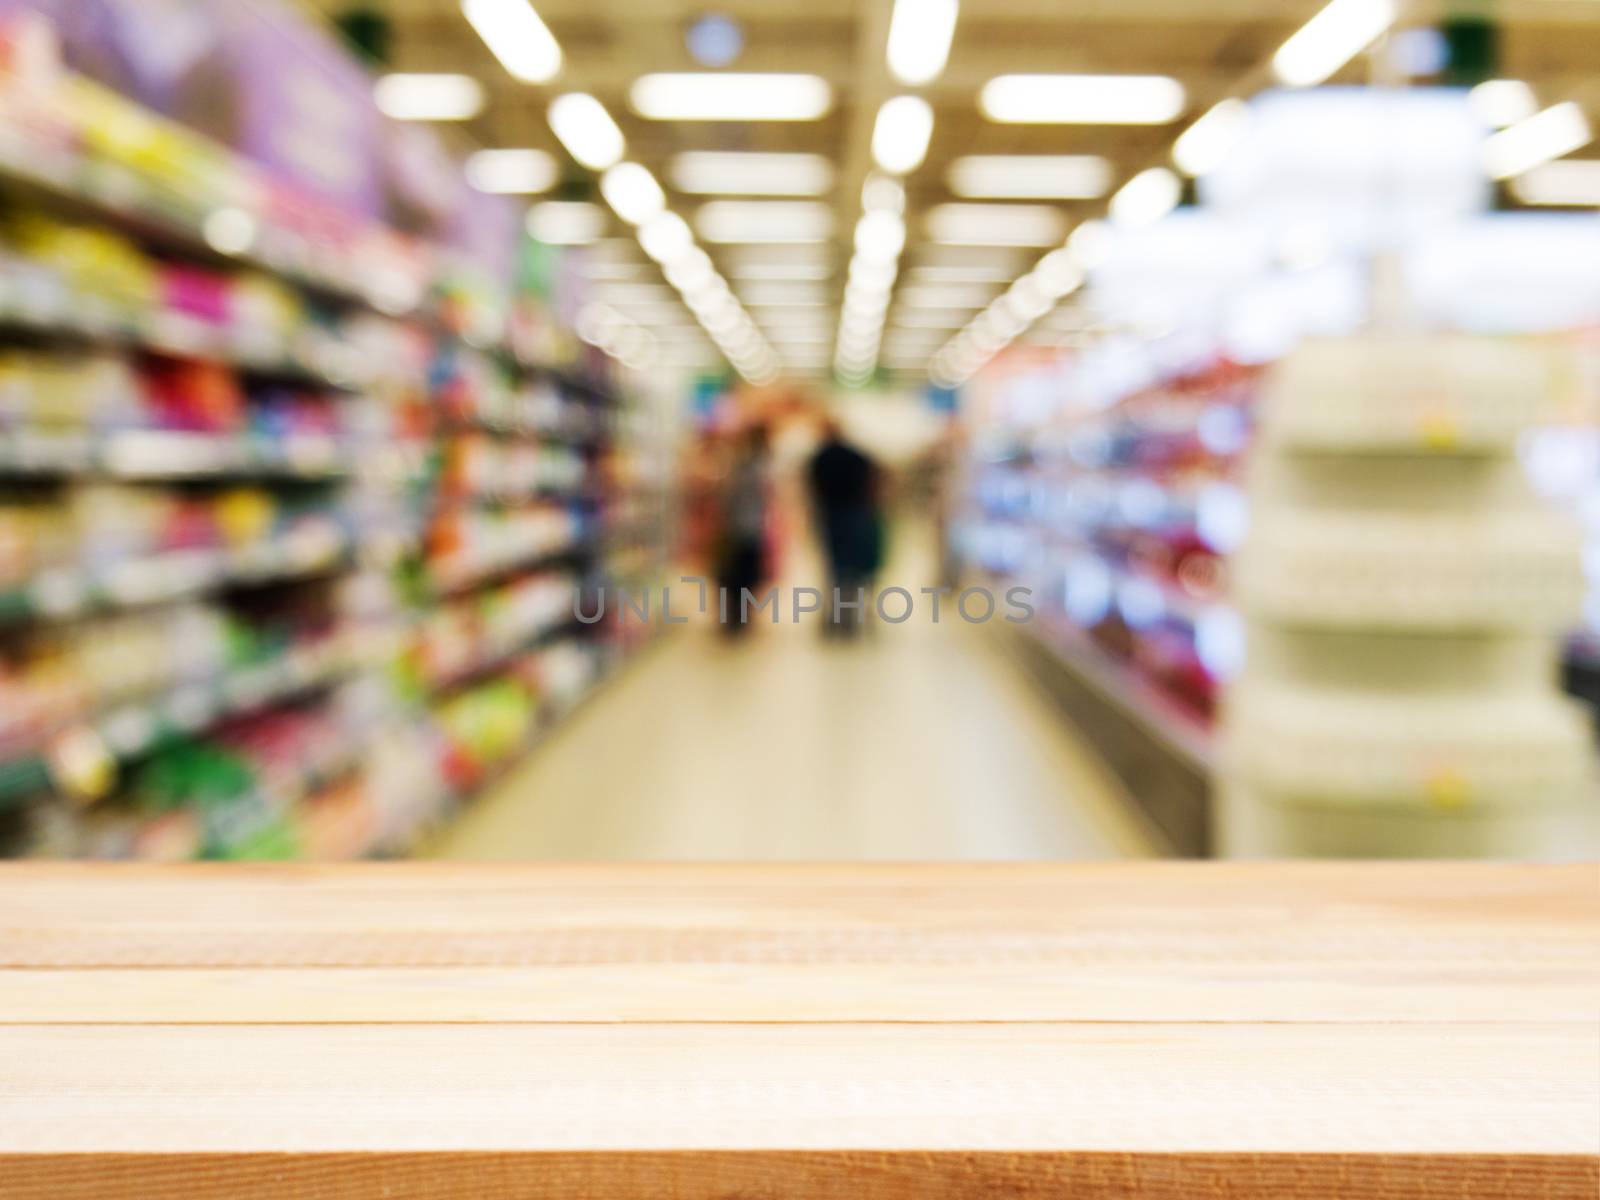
1169	1030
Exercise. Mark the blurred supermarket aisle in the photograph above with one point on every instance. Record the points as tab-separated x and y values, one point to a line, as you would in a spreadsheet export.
921	742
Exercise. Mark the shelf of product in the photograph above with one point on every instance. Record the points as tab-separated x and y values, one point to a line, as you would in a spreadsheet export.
291	512
104	546
81	699
1121	519
75	146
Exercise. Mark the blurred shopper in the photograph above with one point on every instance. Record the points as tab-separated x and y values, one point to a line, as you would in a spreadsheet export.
845	500
742	560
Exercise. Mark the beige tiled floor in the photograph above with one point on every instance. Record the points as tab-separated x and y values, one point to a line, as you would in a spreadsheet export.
919	742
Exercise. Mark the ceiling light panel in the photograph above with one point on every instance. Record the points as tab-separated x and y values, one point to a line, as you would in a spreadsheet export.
1502	102
582	124
920	32
726	221
411	97
1082	99
516	36
633	193
1030	176
958	273
1339	32
1146	198
634	293
932	318
511	172
1569	182
1201	148
783	294
802	270
996	224
715	173
566	222
730	96
1556	131
901	133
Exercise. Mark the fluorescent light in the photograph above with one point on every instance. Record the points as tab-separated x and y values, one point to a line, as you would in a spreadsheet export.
665	237
428	97
780	270
1030	176
1202	147
880	236
783	294
689	268
607	270
1146	198
915	335
635	293
1058	273
960	273
586	129
654	315
1330	39
1502	102
1090	243
900	134
945	297
928	318
1557	130
730	97
516	36
1026	300
565	222
511	172
632	192
1571	182
764	221
872	275
919	39
1082	99
710	172
883	191
996	224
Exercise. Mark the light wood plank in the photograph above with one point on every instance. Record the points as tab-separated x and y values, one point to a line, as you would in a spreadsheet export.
1196	914
1264	1089
1255	1031
1240	991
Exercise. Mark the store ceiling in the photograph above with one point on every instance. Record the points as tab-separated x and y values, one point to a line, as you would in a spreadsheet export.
1215	48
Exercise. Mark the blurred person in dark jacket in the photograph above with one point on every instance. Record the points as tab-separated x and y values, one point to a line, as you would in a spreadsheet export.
742	560
845	485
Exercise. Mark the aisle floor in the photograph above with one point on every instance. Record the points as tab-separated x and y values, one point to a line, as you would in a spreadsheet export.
920	741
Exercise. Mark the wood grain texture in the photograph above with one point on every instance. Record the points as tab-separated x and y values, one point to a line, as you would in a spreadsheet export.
1148	1030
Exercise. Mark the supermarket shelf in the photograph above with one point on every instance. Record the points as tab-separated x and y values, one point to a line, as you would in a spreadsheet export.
111	195
164	455
80	322
488	665
1164	757
153	579
128	730
1179	732
493	570
514	431
553	714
